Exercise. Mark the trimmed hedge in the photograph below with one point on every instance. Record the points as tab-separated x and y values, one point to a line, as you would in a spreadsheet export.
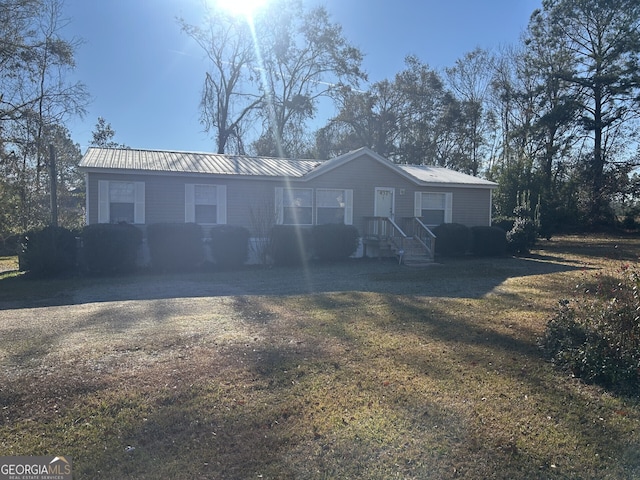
505	223
229	245
452	239
110	248
488	241
175	246
334	241
290	245
48	251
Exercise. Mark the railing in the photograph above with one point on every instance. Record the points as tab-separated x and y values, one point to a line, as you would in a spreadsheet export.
385	229
422	233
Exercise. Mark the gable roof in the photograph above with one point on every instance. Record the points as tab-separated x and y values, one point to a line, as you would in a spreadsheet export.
428	175
146	161
163	161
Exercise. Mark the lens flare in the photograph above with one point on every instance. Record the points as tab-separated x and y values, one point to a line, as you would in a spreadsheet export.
241	7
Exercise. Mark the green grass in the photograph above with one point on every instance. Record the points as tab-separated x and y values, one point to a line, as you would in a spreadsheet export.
407	373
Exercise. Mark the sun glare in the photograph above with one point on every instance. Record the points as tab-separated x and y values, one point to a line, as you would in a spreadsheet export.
241	7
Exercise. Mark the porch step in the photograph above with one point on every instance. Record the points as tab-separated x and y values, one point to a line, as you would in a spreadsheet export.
414	254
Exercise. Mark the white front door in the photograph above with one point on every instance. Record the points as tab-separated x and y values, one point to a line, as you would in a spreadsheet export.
384	202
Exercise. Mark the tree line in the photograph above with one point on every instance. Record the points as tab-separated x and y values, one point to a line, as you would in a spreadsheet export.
554	115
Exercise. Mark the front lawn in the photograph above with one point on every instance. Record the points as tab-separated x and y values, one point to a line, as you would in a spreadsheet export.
370	370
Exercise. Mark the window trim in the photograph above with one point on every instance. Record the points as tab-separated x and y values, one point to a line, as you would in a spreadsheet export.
104	201
348	204
448	205
280	196
190	203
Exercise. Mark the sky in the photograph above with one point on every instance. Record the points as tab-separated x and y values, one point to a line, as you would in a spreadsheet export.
145	76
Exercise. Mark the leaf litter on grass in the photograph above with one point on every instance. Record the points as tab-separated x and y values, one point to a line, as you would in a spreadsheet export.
425	377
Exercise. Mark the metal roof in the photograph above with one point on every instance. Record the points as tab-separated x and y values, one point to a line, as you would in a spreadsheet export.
135	160
429	174
194	162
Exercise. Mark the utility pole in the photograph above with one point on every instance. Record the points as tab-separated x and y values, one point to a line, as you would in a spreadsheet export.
53	186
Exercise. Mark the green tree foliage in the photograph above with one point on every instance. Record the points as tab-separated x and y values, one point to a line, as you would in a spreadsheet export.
103	134
35	101
602	42
413	119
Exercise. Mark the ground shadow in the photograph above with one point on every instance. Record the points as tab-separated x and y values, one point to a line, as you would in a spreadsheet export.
456	278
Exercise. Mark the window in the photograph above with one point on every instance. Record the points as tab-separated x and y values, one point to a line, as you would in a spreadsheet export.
334	206
205	204
433	208
295	206
120	202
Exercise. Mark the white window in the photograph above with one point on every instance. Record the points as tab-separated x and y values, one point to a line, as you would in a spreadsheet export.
433	208
120	202
205	204
334	206
294	206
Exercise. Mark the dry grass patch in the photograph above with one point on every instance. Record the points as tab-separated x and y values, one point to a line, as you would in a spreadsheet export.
380	372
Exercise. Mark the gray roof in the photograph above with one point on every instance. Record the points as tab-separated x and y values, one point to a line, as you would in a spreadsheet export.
193	162
143	161
429	174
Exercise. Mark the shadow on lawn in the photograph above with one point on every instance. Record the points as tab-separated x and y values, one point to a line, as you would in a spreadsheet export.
352	404
464	278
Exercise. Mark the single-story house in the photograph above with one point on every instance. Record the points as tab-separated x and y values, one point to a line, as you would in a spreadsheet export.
393	206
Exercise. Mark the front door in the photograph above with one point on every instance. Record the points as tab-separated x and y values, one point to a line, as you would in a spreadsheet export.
384	202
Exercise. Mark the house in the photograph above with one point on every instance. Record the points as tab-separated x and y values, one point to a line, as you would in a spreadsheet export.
393	206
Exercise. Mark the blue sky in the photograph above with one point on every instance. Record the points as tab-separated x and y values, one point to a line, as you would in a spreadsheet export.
145	76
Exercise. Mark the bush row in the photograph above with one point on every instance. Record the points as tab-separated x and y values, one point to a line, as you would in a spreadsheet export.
291	245
455	239
114	248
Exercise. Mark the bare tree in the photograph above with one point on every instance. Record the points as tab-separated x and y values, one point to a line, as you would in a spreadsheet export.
304	57
230	94
470	79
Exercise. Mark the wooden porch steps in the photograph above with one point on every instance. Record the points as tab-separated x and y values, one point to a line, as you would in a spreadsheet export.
409	240
413	255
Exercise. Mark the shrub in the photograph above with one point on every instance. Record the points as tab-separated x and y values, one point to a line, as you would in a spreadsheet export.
596	336
10	246
48	251
175	246
290	245
505	223
334	241
452	239
110	248
229	245
488	241
522	236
